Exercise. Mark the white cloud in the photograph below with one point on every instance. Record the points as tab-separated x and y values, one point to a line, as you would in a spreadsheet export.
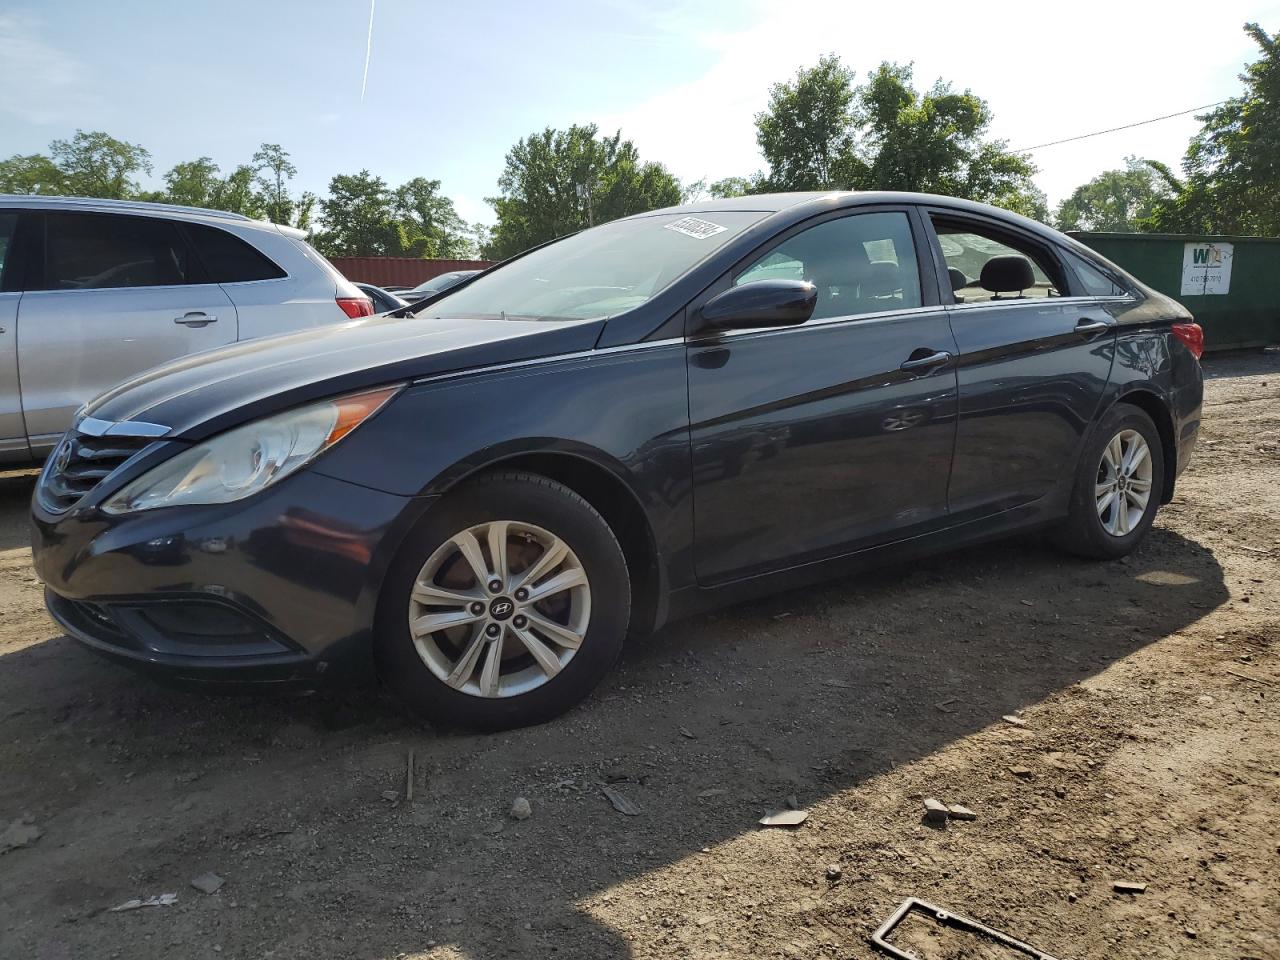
41	83
1048	71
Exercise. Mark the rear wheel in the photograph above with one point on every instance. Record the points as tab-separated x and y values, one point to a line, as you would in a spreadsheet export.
506	607
1117	487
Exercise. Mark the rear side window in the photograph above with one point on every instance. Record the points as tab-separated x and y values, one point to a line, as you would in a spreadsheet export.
228	259
1093	280
94	251
985	265
8	223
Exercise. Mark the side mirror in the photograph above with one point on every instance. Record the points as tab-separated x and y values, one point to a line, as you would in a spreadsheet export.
761	303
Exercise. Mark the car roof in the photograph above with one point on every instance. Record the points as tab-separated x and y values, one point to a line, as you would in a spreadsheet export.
803	204
98	205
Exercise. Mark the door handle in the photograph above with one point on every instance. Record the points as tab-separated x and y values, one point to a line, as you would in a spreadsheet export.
921	363
195	318
1087	328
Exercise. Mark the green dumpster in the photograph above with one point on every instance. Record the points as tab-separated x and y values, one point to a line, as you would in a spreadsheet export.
1231	284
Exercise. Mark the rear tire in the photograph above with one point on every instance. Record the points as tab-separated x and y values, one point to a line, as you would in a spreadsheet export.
522	644
1120	473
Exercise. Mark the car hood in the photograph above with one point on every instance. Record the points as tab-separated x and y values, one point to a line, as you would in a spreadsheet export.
205	393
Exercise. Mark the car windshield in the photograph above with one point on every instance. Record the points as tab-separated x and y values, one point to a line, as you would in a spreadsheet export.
597	273
436	283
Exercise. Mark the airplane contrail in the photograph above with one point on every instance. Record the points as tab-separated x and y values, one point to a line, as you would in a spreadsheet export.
368	50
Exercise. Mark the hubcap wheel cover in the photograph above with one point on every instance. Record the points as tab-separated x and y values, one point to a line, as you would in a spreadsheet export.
1122	488
488	642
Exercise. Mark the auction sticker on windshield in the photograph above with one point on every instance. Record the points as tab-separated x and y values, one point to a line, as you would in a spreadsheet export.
698	229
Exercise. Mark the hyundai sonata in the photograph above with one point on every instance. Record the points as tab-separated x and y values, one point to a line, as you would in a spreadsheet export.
481	495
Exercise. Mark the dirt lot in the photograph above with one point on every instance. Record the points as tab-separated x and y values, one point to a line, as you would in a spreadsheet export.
1149	688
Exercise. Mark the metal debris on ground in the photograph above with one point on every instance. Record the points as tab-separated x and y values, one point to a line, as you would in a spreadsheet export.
160	900
1245	676
1016	721
620	801
208	882
785	818
947	919
687	733
1125	886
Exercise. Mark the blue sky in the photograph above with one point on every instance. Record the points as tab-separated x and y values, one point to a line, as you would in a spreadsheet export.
451	86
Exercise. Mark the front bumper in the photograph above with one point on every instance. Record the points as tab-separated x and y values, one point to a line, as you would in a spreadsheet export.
280	589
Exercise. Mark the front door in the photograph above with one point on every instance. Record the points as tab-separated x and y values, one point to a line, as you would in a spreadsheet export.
114	295
1034	361
813	441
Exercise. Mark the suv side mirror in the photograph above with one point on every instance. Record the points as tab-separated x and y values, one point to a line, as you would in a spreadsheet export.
761	303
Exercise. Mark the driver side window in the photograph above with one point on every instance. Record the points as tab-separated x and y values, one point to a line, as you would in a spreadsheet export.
864	263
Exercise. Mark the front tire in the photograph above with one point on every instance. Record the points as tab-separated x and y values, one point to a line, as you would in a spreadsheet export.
1117	487
506	607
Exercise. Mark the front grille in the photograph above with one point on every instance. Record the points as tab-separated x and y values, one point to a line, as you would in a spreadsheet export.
80	462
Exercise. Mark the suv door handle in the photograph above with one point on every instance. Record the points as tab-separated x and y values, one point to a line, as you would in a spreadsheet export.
921	363
1087	327
195	318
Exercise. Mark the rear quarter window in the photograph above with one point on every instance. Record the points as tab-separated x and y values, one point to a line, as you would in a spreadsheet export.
228	259
1094	280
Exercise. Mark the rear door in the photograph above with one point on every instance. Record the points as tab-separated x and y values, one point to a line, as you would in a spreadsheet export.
13	438
1033	362
112	296
813	441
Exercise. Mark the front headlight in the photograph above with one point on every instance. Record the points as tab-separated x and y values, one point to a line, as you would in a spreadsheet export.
240	462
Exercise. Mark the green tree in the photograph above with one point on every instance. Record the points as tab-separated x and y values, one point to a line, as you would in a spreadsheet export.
360	219
237	193
97	165
1231	170
737	186
808	132
1116	201
431	223
194	183
273	172
937	143
821	131
32	173
559	181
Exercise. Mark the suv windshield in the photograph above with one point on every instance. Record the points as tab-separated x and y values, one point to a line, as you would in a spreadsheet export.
597	273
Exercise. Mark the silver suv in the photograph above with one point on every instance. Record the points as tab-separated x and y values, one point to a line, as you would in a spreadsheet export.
93	292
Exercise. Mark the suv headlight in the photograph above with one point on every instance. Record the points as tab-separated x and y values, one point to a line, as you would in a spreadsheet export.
242	461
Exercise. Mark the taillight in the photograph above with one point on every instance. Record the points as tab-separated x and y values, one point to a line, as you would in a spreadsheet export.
1192	335
356	307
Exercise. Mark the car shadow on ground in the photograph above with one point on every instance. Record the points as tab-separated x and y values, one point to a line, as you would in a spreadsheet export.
703	726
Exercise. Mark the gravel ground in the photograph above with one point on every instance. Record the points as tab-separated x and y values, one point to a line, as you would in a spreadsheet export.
1147	750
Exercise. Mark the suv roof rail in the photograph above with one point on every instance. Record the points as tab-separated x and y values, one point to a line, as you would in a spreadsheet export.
46	200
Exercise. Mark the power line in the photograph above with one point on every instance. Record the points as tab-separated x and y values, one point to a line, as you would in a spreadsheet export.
1127	126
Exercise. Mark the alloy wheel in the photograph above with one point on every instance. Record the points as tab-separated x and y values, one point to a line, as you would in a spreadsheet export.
1123	485
499	609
